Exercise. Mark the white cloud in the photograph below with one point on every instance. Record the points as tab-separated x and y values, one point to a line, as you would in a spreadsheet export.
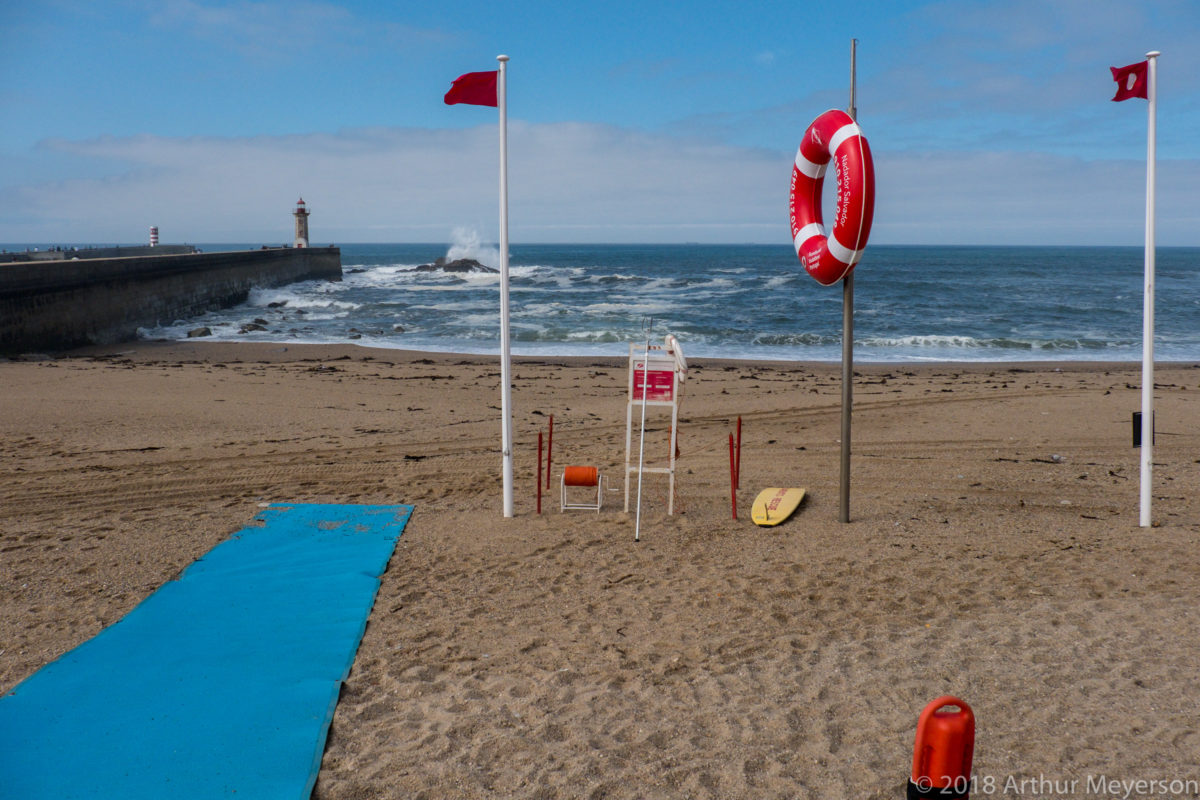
282	30
1021	198
568	182
1027	74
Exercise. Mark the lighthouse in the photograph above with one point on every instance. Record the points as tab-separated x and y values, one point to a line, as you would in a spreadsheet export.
301	214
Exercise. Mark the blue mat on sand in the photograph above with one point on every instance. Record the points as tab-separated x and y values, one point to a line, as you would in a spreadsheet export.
220	684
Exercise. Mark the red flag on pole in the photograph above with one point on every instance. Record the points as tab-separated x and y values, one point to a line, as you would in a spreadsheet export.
491	89
474	88
1131	81
1141	80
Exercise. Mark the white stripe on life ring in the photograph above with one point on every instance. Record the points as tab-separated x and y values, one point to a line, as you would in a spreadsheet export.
807	232
842	253
808	168
843	133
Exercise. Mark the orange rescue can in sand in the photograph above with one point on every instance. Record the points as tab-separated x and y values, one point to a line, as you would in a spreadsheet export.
942	753
581	476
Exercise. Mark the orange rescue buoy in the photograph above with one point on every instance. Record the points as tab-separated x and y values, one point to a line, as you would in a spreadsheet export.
943	749
581	476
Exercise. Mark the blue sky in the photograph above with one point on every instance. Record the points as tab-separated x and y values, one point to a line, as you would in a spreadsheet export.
990	122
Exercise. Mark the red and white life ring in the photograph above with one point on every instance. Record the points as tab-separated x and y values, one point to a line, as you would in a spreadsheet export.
833	135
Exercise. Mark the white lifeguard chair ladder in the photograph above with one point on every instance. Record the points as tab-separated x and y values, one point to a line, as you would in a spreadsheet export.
654	377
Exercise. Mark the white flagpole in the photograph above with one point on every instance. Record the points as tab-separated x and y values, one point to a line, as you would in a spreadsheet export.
506	438
1148	301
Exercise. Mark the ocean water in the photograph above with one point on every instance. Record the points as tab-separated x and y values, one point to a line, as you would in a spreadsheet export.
912	303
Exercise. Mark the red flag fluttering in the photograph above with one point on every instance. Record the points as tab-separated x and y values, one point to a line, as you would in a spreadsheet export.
474	88
1131	81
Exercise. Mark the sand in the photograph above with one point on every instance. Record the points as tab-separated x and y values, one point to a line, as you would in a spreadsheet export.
993	553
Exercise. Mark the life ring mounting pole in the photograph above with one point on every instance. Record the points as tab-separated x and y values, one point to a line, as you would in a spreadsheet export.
847	342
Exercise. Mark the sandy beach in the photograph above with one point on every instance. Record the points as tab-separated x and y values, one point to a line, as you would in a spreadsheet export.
993	553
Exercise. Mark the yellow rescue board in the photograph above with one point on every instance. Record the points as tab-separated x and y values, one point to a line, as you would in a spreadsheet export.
774	505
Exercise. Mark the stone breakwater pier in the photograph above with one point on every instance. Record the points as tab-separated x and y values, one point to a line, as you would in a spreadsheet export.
62	304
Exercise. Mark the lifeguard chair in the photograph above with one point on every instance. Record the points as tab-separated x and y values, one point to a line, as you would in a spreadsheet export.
656	375
582	477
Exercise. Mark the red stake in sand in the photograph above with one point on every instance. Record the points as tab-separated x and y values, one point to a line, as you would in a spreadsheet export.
739	453
733	478
549	449
539	475
942	752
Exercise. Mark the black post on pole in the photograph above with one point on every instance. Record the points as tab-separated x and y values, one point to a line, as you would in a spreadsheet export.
1137	430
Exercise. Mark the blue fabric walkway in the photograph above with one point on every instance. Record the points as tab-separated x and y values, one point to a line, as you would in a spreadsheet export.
220	684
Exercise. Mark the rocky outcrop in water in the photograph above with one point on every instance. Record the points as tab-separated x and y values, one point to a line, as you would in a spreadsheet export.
457	265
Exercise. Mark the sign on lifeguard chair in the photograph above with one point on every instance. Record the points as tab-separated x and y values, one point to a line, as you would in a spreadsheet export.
655	374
